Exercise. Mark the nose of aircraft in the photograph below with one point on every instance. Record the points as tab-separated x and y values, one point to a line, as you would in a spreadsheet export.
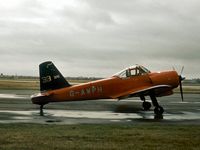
168	78
165	78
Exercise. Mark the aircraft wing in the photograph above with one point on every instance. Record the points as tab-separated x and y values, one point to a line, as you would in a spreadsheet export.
159	90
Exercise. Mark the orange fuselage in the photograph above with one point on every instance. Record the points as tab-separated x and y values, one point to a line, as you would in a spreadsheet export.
110	88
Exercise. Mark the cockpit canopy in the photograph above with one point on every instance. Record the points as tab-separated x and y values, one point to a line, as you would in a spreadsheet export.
135	70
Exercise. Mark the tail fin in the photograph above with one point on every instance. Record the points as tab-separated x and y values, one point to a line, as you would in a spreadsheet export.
50	77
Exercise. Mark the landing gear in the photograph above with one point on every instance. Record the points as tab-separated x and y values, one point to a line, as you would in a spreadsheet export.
145	105
41	110
158	110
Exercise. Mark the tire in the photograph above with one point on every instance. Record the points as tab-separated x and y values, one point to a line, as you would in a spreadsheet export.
146	105
158	110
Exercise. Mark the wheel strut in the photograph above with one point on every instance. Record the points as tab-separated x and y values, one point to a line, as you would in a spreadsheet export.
158	109
154	100
41	110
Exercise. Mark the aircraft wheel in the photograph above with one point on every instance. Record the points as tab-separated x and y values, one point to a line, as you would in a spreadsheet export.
146	105
158	110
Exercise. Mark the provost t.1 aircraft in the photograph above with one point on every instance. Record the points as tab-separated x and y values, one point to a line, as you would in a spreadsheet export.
135	81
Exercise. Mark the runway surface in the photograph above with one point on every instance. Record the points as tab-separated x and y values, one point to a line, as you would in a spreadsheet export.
16	107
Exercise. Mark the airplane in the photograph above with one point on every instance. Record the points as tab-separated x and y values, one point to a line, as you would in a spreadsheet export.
134	81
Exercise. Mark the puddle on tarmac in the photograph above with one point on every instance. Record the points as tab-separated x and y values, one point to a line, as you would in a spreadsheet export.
13	96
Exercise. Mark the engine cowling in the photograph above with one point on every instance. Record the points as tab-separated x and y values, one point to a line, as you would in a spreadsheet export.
165	78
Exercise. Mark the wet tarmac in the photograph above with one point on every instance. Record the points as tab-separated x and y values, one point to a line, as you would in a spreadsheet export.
16	107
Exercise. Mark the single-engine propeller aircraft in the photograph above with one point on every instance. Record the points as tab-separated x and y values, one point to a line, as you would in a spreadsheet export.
134	81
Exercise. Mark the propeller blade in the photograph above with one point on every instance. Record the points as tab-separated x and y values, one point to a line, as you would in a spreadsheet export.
180	84
182	70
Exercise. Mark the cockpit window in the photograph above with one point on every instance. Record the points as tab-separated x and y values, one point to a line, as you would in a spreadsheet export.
123	74
132	71
143	69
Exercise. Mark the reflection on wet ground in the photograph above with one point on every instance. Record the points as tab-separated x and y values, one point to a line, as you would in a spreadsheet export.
14	96
91	116
17	107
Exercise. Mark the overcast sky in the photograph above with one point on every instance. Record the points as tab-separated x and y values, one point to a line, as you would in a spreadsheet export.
99	37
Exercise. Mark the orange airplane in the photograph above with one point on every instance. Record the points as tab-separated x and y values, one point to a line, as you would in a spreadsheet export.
135	81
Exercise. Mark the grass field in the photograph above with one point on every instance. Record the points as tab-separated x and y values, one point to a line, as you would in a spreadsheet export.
140	136
26	84
19	84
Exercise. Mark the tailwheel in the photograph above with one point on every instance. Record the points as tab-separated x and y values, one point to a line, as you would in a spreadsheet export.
158	110
146	105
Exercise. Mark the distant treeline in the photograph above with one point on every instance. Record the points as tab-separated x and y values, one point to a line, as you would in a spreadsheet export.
192	81
83	78
15	77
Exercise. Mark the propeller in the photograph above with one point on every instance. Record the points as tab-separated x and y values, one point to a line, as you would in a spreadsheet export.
180	83
182	70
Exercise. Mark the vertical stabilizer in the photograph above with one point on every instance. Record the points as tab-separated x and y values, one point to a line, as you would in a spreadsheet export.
50	77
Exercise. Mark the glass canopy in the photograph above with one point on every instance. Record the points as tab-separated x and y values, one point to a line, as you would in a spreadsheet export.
135	70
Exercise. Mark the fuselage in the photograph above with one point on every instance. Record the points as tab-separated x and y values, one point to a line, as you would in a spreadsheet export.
110	88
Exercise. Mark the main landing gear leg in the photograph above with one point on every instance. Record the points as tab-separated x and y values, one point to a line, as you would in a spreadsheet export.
145	105
41	110
158	109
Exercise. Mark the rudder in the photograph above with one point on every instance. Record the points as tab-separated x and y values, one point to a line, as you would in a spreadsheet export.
50	77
